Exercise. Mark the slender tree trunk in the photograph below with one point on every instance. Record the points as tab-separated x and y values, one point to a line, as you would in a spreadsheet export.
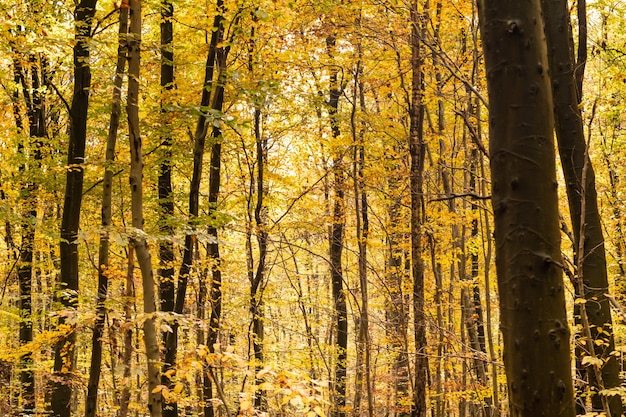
364	371
258	278
396	310
216	272
397	270
172	298
256	285
525	204
103	251
336	246
138	240
216	58
416	152
127	335
585	224
25	275
439	379
64	359
487	250
166	204
35	111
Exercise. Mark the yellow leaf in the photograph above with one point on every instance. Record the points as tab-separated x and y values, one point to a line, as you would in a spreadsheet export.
158	388
263	372
592	360
296	402
245	405
178	388
266	386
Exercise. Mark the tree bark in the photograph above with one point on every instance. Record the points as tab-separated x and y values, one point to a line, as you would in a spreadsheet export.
167	288
127	334
213	94
30	81
165	272
257	283
586	225
396	273
64	359
336	245
103	251
258	278
364	368
525	204
138	239
416	180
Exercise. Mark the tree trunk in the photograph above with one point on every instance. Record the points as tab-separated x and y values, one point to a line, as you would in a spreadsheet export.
416	153
257	283
258	278
138	240
172	299
215	294
216	58
35	111
487	245
127	335
525	204
166	204
336	246
586	225
364	371
64	348
396	309
103	251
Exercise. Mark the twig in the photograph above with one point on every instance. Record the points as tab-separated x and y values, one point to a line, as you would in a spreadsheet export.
453	196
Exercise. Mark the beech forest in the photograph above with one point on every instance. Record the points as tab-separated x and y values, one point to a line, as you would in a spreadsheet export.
311	208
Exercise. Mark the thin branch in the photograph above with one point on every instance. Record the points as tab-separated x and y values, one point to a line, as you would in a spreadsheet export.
473	134
65	103
453	196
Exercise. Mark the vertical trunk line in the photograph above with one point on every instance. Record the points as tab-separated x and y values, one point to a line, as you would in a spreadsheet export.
166	273
533	314
138	240
106	219
216	58
416	152
336	242
67	292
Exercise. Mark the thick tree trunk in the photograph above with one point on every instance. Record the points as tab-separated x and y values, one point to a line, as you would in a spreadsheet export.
103	251
64	349
138	240
586	225
525	204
